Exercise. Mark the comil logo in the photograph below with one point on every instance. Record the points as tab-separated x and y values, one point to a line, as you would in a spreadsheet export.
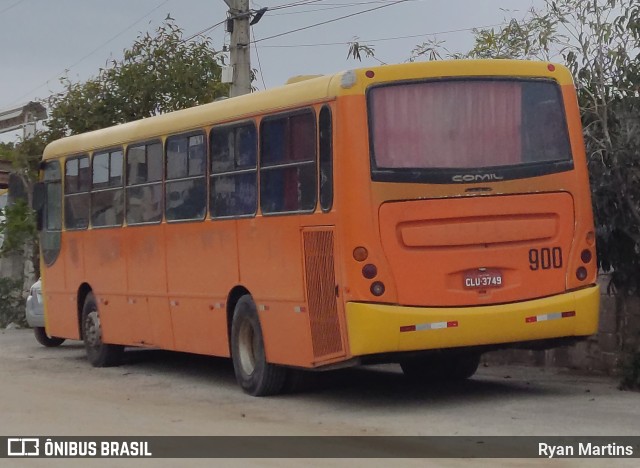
23	447
476	177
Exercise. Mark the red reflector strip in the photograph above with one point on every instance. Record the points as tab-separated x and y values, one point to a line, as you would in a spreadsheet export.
429	326
547	317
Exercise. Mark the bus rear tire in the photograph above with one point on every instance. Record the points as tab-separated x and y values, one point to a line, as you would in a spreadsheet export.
45	340
99	353
254	374
442	367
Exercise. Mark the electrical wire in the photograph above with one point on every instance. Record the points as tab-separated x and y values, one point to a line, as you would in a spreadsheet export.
19	99
332	20
333	6
11	6
258	57
385	38
294	4
199	33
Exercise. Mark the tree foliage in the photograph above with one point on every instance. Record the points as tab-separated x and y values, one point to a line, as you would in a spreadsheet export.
157	74
357	49
11	302
18	224
599	40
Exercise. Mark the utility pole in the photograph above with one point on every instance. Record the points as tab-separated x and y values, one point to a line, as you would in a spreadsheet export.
238	26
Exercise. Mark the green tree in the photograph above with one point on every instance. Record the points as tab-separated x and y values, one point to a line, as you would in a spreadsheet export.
157	74
17	228
599	40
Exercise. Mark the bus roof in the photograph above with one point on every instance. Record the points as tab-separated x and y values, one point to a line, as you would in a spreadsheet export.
297	94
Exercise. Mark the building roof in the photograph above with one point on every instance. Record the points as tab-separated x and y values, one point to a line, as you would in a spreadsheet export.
15	117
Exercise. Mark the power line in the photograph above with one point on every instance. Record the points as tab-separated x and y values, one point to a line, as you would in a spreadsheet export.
385	38
294	4
11	6
335	6
203	31
19	99
258	57
331	20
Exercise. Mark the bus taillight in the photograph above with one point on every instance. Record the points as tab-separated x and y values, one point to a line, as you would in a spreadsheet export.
360	254
581	273
377	288
369	271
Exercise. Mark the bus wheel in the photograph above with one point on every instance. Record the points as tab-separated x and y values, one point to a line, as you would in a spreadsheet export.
98	353
461	366
46	340
254	374
445	366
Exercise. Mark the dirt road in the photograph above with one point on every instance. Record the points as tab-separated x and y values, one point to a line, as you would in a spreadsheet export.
54	391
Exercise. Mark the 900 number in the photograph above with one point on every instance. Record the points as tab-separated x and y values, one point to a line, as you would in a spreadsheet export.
545	259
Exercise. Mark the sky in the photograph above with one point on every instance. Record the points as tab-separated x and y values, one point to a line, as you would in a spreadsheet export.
42	40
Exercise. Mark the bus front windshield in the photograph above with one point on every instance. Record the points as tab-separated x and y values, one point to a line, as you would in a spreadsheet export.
470	124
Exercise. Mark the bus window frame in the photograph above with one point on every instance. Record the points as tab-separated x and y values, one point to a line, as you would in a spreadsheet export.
330	161
127	185
66	194
50	260
166	180
446	175
287	114
109	151
256	169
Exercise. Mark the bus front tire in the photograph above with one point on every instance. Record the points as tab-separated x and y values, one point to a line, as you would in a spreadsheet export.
254	374
99	354
46	340
442	367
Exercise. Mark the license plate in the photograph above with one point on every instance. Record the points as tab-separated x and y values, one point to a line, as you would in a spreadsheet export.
481	279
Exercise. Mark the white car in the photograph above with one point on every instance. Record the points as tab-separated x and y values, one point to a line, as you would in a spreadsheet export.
35	317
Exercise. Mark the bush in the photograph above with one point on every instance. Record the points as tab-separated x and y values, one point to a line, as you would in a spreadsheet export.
12	307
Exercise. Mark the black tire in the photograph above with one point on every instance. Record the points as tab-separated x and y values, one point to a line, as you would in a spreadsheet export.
99	354
254	374
46	340
442	366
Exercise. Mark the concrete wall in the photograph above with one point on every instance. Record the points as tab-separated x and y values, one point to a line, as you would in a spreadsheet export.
618	334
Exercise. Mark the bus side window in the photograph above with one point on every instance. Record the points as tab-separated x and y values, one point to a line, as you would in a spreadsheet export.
288	163
233	171
77	200
185	189
144	184
50	235
326	158
107	203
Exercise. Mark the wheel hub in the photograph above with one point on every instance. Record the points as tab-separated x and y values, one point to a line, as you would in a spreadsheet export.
247	348
93	331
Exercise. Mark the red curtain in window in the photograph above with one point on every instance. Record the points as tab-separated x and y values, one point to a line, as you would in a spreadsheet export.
454	124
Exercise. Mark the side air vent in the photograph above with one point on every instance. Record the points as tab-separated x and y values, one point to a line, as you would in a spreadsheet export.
321	287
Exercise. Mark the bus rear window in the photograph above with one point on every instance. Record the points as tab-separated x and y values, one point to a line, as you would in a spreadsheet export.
441	127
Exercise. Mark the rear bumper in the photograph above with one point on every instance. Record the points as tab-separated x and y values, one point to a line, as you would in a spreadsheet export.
374	328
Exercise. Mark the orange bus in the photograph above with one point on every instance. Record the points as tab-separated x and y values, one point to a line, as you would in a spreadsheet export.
419	213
